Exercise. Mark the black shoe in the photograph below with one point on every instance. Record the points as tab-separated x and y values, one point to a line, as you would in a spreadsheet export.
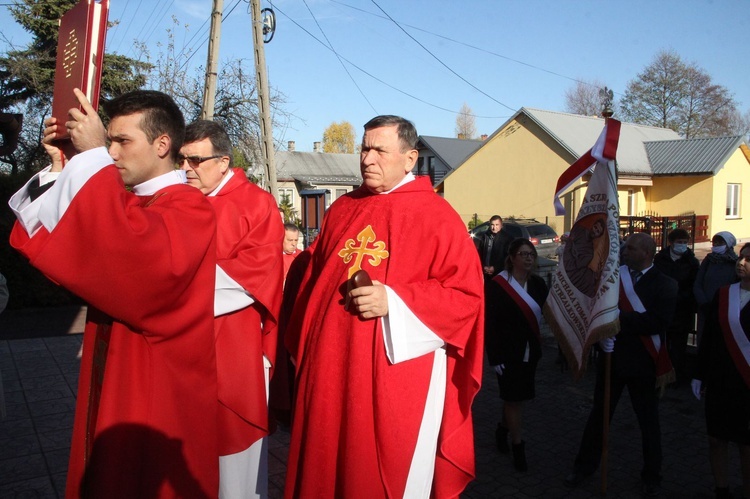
519	456
576	478
651	489
501	438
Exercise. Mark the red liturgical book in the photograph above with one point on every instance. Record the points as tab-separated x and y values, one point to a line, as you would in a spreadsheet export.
80	54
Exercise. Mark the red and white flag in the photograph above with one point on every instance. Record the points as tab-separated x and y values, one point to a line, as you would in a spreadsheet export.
582	304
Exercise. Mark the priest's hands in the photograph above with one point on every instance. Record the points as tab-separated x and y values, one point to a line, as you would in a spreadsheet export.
85	128
369	302
53	150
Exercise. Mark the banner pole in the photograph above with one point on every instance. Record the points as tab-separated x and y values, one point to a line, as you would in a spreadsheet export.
605	425
606	96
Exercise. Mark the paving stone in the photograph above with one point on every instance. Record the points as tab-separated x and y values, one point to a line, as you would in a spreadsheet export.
41	397
23	468
22	445
29	489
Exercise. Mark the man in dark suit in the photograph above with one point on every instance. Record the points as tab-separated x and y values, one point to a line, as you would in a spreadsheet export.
492	246
633	366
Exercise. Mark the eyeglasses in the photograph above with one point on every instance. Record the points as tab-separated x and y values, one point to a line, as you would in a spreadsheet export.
195	161
526	254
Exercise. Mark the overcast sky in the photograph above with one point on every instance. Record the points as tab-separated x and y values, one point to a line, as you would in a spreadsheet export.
423	59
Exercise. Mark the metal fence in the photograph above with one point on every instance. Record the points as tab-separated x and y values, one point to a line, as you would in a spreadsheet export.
659	227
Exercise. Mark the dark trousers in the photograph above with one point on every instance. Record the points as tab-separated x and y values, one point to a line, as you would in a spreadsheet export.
677	339
645	402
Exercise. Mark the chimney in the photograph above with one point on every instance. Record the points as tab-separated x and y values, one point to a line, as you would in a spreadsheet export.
316	147
290	146
484	136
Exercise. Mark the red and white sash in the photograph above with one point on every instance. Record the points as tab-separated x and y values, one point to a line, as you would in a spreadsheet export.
630	302
523	300
734	336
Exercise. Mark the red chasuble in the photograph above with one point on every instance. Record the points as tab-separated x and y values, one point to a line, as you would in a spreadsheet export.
145	423
357	416
249	236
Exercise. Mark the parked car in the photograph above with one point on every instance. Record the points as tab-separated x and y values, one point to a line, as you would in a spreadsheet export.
542	236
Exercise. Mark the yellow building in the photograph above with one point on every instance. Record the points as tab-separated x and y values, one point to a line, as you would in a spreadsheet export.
514	173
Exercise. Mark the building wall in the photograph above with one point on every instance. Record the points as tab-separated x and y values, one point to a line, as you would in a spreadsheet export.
671	196
513	174
736	171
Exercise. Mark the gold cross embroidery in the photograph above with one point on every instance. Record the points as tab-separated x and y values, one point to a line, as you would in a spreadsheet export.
376	253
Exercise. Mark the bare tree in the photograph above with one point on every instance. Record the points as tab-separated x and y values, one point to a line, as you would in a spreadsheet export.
236	106
670	93
740	124
583	98
465	123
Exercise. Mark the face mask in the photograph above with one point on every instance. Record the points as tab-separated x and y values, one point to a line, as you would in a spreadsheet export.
719	250
679	248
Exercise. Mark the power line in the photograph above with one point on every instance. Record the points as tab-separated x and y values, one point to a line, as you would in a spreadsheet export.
204	40
458	42
129	24
441	62
276	8
339	57
156	19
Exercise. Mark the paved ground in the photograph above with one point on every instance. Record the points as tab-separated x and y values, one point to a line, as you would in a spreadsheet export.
39	372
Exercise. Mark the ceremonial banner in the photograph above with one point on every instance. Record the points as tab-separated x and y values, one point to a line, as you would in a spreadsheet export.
582	304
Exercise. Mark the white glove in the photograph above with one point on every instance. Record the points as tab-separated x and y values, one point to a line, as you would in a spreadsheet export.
607	345
499	369
696	386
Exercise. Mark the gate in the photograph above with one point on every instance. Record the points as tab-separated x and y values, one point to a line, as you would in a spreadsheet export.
660	227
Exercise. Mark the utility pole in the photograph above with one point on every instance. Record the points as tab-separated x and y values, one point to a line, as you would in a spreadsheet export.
264	102
209	90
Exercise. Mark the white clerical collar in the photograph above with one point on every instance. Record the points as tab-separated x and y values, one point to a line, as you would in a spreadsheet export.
150	187
224	181
408	178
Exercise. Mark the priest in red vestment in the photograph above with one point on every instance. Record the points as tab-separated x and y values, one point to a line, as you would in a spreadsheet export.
289	249
144	260
386	373
248	298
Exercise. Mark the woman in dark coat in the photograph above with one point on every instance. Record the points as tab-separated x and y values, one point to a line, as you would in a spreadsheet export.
716	270
679	262
723	376
513	314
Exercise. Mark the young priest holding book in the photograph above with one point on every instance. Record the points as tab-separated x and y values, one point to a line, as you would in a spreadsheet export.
145	261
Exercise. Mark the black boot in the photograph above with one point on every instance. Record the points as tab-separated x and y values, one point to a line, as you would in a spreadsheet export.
722	493
501	438
519	456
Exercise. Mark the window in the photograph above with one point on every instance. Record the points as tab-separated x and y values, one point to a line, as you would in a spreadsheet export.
631	202
328	199
340	192
733	200
286	192
420	166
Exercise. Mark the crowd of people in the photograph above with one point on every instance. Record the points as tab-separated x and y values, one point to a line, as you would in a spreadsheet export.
660	295
182	262
206	324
